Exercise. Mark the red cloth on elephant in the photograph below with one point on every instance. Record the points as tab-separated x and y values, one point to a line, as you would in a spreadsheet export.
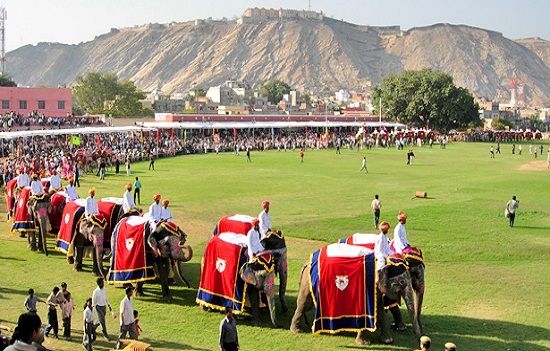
22	219
131	258
343	290
110	210
220	285
72	214
238	224
57	203
10	193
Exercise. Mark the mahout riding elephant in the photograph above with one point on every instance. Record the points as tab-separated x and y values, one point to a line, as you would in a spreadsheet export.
394	282
136	249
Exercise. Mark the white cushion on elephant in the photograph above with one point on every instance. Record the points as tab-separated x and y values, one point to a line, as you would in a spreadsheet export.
115	200
241	218
80	202
45	179
360	238
233	238
345	250
62	193
136	220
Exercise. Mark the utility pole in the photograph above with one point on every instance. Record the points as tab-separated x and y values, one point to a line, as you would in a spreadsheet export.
380	111
309	5
3	18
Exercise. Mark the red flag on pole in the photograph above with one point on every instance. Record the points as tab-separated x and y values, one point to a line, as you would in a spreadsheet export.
158	135
98	141
234	133
172	136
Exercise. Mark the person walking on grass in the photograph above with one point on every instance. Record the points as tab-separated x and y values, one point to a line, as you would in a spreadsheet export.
127	320
229	337
302	156
100	302
53	324
511	207
520	149
376	206
364	165
137	191
248	159
492	151
151	161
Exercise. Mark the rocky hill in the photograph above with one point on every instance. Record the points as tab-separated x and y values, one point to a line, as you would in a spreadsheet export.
317	55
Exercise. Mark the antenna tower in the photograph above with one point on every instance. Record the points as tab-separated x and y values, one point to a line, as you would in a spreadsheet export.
3	18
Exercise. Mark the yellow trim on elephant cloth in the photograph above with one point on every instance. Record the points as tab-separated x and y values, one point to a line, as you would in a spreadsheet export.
38	197
418	256
97	222
268	265
274	233
166	226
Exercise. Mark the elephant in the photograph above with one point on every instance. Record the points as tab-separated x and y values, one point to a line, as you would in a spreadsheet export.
393	282
90	232
414	258
261	277
39	208
167	242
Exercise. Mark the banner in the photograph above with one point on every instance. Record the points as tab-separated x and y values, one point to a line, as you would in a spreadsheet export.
75	140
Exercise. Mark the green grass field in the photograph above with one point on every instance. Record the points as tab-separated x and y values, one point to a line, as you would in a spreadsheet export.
488	285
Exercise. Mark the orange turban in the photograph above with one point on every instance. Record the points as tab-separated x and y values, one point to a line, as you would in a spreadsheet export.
156	197
166	202
401	216
255	221
384	225
91	192
129	186
265	204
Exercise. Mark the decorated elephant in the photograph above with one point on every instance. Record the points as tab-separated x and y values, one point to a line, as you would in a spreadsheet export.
39	206
136	249
415	262
273	242
76	232
331	279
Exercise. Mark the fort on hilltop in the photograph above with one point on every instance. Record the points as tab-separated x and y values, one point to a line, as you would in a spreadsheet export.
256	14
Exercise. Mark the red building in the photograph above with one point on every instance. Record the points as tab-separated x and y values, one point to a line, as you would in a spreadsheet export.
52	102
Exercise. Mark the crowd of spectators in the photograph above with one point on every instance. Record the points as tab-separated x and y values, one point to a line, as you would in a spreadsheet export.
12	121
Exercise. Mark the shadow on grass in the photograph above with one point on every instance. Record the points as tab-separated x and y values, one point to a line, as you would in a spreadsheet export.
531	227
11	291
170	345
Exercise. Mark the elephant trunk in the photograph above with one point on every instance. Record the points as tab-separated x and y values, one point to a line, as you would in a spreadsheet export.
408	296
98	251
187	253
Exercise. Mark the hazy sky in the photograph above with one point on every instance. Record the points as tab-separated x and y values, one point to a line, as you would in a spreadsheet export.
73	21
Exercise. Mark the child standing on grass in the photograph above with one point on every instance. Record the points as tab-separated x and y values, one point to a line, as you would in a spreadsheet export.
136	318
31	300
67	312
89	326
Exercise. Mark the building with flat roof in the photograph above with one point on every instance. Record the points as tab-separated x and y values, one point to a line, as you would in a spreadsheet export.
51	102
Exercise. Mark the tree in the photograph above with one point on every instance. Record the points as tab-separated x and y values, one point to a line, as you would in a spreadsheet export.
102	93
6	81
306	97
500	124
427	98
274	90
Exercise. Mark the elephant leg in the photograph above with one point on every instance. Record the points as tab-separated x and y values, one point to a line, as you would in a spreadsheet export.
163	267
269	291
303	304
254	298
79	255
139	289
397	318
283	278
383	323
419	297
97	269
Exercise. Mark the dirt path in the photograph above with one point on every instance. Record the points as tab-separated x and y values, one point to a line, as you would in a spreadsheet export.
534	166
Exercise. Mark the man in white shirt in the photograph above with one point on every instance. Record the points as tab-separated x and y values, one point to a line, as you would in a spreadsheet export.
400	241
265	219
91	204
165	213
127	199
253	241
155	209
376	206
382	246
70	191
37	188
100	302
23	179
127	320
55	181
511	207
89	326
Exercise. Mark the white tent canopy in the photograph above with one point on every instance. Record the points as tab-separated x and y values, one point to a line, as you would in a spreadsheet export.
71	131
260	125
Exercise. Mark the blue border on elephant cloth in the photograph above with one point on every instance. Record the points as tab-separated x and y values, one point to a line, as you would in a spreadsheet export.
62	245
22	226
134	275
345	323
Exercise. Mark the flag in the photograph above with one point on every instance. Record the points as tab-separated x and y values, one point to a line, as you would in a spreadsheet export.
158	135
75	140
172	135
234	134
98	140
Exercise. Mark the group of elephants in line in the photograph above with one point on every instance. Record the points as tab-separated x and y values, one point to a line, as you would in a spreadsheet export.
400	282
